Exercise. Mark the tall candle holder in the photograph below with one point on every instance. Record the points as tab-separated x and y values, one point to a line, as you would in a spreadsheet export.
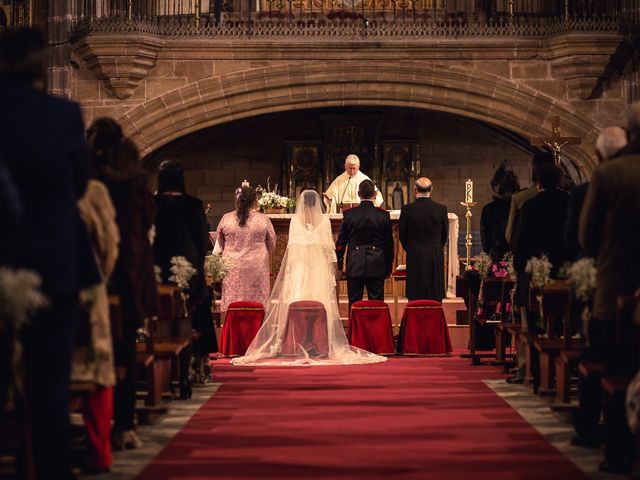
468	237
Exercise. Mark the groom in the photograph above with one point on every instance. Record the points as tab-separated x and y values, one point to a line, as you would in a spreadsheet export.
366	230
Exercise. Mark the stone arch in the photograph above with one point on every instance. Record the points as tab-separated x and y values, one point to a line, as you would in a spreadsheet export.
223	98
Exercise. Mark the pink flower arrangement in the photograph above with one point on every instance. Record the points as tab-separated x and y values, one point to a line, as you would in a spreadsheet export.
500	269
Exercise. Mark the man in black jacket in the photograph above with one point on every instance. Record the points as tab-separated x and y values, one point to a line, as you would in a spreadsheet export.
366	230
424	229
43	147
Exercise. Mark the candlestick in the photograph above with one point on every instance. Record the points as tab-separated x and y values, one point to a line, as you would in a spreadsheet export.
468	191
468	237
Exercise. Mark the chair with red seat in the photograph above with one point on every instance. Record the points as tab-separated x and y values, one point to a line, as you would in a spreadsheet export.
306	329
241	325
424	329
370	326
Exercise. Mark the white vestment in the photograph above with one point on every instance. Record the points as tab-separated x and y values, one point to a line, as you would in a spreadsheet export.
344	189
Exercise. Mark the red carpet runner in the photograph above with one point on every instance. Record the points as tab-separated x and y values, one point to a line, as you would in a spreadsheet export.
408	418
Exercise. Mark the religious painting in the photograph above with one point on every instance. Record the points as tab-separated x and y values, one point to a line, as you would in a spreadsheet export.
303	168
399	172
396	195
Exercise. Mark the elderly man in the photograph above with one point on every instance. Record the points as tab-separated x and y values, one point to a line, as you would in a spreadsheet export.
343	192
609	223
424	230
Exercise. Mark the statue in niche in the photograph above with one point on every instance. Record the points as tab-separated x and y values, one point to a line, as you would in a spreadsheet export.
397	197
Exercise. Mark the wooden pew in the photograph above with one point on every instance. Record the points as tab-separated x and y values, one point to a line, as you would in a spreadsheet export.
556	307
502	332
463	290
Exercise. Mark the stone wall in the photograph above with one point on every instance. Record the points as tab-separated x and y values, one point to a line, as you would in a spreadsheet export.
164	88
452	148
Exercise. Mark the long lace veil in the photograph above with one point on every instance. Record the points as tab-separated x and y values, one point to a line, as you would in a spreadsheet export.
307	272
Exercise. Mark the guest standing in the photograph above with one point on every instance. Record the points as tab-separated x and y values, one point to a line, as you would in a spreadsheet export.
181	230
93	361
133	278
423	231
246	237
609	223
43	147
495	214
366	230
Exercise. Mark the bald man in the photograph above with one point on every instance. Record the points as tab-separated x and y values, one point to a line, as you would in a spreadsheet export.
424	229
343	191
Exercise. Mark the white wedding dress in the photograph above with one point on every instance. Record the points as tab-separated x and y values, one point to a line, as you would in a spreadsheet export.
307	273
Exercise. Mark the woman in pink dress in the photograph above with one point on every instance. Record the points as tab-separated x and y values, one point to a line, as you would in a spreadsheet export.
246	237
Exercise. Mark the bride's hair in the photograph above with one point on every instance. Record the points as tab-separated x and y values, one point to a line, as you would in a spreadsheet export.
310	198
244	202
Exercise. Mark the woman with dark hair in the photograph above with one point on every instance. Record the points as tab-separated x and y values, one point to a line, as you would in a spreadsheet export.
495	214
246	237
181	230
133	280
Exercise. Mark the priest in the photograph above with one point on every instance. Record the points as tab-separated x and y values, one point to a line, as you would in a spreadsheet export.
343	192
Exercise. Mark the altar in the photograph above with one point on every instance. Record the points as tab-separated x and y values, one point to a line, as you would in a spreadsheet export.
451	267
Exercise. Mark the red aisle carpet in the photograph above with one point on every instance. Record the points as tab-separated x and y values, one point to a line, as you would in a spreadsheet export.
408	418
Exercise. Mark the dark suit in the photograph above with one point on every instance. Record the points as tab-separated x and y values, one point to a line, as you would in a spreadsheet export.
424	229
541	229
366	230
576	201
42	143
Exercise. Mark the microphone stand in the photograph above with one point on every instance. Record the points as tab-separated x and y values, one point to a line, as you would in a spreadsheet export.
343	193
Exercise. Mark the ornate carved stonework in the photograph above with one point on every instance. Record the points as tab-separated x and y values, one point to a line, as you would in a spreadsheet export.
582	63
121	61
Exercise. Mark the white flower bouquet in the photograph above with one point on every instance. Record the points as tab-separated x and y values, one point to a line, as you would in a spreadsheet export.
182	271
20	298
540	270
216	267
482	263
582	276
272	200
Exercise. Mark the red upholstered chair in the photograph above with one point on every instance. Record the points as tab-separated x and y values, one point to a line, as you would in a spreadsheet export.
370	326
424	329
306	329
241	325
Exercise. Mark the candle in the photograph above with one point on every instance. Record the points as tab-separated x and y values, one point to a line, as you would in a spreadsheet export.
468	191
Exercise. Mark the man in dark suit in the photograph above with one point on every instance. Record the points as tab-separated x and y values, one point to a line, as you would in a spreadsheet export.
541	222
608	145
42	145
366	230
424	229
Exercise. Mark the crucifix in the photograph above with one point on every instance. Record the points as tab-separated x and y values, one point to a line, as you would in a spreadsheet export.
556	141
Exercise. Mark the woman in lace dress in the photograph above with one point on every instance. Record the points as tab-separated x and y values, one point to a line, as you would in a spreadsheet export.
246	237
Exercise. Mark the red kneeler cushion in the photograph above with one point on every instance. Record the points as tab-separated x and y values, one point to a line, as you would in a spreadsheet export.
424	329
370	326
241	325
306	329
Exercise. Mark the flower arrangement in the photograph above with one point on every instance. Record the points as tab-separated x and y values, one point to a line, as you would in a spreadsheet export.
482	263
540	270
181	272
270	199
582	275
20	298
216	267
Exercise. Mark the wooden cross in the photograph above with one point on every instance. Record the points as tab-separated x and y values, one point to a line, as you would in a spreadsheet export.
556	141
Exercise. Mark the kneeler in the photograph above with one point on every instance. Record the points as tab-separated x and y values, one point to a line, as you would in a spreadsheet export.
241	325
370	327
424	329
306	329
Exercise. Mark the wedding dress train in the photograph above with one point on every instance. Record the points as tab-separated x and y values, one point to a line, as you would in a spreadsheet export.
302	323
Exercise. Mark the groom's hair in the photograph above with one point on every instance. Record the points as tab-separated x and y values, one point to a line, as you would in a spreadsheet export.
366	189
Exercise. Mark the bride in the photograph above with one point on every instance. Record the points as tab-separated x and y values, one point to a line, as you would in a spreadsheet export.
302	324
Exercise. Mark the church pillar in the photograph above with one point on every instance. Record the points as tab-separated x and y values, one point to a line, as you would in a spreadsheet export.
60	21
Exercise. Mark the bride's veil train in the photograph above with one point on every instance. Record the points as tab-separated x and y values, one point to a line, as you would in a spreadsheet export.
296	330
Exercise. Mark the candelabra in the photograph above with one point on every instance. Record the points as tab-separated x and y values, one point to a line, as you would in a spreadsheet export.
468	243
